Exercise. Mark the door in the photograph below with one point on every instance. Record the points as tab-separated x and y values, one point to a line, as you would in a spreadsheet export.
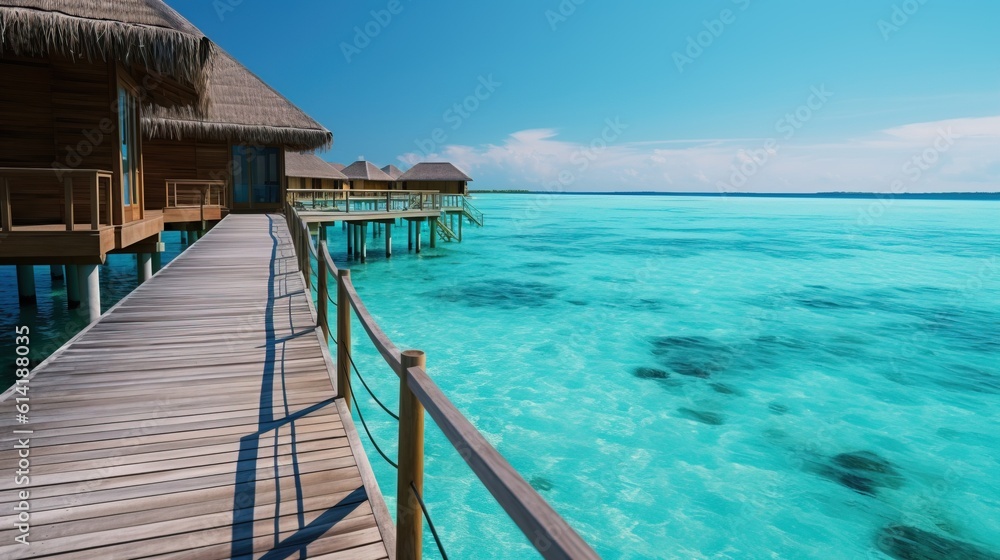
256	178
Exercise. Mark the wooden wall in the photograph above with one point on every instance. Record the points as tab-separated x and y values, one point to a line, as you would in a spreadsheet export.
361	184
308	183
187	159
444	187
55	112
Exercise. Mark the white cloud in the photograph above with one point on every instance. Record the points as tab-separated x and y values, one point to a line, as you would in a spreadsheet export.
952	155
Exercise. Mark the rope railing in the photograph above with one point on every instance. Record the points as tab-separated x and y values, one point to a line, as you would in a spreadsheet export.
549	533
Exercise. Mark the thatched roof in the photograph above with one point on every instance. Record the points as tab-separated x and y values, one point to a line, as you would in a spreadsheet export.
434	172
242	109
392	171
337	166
144	33
365	170
310	166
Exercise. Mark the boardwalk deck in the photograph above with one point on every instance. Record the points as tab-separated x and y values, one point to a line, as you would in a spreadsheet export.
196	420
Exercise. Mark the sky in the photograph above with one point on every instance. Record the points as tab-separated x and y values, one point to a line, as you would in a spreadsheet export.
648	95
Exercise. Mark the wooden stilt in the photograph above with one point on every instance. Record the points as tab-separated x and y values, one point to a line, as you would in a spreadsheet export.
144	262
72	286
90	286
388	241
26	284
418	228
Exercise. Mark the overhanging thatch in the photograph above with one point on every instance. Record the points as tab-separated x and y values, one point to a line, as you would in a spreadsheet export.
436	171
145	33
366	170
310	166
242	109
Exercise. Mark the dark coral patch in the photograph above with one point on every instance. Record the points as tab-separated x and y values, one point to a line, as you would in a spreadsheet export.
541	483
705	417
910	543
650	373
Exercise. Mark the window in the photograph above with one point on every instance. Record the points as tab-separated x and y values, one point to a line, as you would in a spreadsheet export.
128	138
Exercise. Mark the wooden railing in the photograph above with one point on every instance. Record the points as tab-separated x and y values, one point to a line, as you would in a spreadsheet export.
549	533
347	201
193	193
461	202
13	177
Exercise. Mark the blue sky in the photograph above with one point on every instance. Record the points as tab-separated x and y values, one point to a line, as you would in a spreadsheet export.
735	95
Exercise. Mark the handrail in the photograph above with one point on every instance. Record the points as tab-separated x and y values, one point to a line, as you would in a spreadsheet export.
365	201
199	191
94	177
390	353
549	533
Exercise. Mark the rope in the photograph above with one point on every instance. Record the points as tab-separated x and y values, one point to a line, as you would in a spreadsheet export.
367	431
430	523
387	411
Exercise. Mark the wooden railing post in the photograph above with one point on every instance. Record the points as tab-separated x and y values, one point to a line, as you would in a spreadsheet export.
409	522
322	294
6	223
306	261
343	337
68	195
95	203
201	205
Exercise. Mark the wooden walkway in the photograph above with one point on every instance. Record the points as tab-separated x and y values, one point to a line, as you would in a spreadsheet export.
196	420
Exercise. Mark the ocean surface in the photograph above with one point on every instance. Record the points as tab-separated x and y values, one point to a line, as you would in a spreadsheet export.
51	322
709	377
690	377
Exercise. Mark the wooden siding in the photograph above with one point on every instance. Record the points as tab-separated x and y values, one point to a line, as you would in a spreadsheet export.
361	185
57	113
307	183
444	187
186	159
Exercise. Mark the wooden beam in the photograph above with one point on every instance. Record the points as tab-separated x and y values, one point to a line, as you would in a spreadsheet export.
410	475
68	195
6	223
95	203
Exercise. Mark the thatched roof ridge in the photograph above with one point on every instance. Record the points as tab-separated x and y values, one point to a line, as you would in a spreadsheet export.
392	171
367	171
338	166
434	171
147	33
242	109
310	166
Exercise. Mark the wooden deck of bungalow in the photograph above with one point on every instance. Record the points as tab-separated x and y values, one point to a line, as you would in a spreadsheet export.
198	419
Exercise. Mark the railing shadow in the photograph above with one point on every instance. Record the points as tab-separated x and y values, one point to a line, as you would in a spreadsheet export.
245	483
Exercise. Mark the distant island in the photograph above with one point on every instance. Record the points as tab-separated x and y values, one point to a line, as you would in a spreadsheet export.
500	191
833	194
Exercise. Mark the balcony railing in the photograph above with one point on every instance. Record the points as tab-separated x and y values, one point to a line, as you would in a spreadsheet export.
347	201
193	193
32	181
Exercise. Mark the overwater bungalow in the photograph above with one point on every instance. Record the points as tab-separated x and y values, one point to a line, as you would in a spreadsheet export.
121	120
77	78
304	170
231	155
364	175
394	172
438	176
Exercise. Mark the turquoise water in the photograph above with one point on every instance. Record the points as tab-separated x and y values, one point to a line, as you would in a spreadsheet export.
710	378
50	320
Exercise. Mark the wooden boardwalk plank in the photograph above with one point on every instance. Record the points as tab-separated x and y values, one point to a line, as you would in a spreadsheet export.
198	420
